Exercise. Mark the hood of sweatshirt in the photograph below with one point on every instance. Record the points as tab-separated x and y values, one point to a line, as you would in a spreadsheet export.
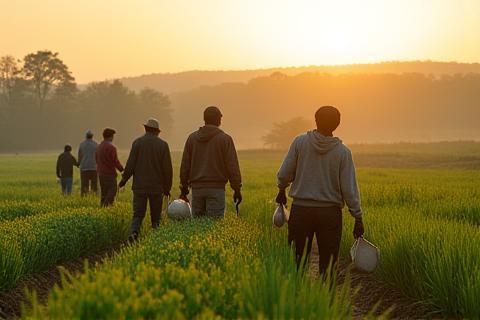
322	144
206	133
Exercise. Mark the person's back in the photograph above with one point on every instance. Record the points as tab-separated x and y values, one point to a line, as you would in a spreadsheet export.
151	169
64	169
209	161
107	166
321	172
65	164
213	159
151	166
323	175
86	155
88	164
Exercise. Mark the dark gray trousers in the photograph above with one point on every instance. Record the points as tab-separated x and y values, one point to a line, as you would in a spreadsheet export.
108	186
88	181
140	201
208	202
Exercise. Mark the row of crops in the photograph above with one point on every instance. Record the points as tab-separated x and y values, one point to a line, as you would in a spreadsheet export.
37	242
424	221
201	268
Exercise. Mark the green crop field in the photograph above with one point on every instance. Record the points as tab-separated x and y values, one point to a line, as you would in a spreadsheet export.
422	209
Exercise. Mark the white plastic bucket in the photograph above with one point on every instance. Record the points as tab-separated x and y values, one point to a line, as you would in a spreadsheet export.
179	209
365	255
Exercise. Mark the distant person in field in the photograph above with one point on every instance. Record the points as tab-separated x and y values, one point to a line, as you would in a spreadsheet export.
321	172
65	163
209	161
107	166
88	164
151	166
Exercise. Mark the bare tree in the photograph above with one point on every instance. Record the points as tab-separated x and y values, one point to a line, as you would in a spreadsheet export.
46	71
8	73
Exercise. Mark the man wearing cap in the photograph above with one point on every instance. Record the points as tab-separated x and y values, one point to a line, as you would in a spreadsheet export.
107	166
321	172
88	164
151	166
209	161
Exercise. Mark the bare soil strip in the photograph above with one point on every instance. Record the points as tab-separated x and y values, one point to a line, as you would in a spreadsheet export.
11	302
367	292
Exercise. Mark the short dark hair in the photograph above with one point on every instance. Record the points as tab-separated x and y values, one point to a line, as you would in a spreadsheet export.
327	118
67	148
108	133
152	130
212	115
89	135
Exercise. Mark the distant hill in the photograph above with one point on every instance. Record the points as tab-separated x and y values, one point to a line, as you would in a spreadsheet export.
376	107
185	81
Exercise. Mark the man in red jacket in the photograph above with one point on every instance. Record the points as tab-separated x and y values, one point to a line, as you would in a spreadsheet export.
107	166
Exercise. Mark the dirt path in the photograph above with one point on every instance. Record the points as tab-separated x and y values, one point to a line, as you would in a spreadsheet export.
42	282
367	291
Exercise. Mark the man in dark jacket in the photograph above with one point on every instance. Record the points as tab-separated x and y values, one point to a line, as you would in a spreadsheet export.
209	161
322	174
88	164
65	163
107	166
151	166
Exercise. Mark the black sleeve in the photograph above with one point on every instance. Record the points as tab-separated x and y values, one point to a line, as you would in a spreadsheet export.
186	165
58	168
75	162
232	165
167	169
131	162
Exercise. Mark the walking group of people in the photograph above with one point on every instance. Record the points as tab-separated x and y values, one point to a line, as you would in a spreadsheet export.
318	166
97	162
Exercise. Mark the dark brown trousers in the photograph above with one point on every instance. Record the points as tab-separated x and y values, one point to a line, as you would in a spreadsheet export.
325	224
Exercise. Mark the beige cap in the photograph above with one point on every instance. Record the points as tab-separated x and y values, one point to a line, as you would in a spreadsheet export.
152	123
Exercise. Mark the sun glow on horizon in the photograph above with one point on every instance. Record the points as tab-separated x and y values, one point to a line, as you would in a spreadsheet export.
112	39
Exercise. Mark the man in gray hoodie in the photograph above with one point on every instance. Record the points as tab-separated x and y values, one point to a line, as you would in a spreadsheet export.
88	164
209	161
321	172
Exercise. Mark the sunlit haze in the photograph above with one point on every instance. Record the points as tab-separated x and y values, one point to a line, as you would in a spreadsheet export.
108	39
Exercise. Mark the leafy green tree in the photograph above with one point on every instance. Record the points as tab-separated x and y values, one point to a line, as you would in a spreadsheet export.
47	71
282	133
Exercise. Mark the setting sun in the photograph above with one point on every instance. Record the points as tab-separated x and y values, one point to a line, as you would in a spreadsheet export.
214	34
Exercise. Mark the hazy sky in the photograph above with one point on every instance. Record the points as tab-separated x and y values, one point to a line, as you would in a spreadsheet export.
101	39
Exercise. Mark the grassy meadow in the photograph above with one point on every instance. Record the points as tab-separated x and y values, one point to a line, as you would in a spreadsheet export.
421	205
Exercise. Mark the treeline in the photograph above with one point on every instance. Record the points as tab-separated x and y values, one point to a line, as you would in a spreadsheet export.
188	80
375	107
41	107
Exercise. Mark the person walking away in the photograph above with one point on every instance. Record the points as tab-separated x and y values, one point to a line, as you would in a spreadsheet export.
321	172
107	166
209	161
151	166
65	163
88	164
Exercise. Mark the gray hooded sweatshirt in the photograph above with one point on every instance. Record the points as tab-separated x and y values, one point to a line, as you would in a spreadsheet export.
321	172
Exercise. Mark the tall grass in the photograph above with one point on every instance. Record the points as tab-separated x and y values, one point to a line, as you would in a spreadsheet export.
34	243
199	268
424	221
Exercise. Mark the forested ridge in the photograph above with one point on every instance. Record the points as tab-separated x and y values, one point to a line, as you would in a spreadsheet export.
42	107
